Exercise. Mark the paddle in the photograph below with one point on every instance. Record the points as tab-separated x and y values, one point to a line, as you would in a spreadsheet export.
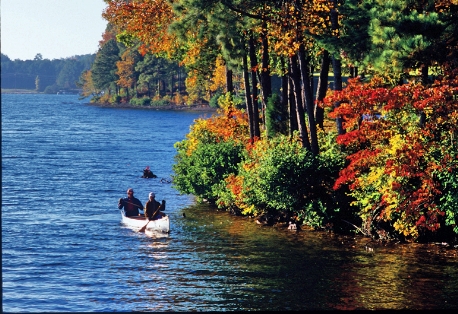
130	203
142	229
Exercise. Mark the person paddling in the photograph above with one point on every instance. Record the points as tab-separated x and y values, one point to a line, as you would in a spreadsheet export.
153	208
130	204
147	173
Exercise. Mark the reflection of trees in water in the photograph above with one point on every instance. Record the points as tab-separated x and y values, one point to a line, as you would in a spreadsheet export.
213	260
393	277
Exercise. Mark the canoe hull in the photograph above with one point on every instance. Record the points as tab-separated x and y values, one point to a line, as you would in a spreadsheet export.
137	222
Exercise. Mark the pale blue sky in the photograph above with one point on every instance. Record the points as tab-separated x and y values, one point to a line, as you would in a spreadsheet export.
55	28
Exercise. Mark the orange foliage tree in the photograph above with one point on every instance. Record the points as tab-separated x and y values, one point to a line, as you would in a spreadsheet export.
145	20
126	71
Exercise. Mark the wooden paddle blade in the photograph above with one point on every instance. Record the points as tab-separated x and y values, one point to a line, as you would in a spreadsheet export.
142	229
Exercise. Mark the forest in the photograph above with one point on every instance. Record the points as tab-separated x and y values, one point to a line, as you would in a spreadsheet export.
44	75
338	115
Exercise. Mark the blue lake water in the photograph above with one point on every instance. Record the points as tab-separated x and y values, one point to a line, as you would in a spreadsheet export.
64	166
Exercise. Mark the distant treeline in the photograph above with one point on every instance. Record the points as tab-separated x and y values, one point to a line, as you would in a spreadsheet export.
44	75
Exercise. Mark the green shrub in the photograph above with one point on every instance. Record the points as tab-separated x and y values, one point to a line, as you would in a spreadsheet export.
160	103
201	172
144	101
214	100
280	176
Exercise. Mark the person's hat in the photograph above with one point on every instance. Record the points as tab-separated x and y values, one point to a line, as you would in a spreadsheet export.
151	194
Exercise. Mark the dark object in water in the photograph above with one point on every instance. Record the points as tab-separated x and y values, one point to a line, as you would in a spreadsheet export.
147	173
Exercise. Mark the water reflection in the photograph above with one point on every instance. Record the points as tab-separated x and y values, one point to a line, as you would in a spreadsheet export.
156	234
211	260
398	277
220	261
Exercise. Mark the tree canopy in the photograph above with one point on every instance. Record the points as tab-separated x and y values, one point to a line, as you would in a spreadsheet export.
44	74
392	97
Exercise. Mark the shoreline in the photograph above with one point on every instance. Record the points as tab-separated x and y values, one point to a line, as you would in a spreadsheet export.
166	107
19	91
203	108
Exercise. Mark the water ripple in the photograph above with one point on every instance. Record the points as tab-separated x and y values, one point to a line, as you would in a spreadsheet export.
64	249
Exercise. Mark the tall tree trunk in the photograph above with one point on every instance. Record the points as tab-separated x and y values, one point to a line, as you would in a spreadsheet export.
254	87
266	79
284	90
308	97
172	85
292	104
229	83
353	71
296	78
337	69
322	88
312	81
179	79
292	108
249	103
336	65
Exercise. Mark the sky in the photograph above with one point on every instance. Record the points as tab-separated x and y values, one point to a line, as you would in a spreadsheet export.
55	28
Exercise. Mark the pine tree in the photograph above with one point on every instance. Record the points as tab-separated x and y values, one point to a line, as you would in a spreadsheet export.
405	35
104	68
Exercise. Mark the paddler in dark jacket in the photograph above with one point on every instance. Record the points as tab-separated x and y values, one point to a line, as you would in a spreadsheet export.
153	207
130	203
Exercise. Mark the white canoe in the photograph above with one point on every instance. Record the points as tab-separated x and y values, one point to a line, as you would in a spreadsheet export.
137	222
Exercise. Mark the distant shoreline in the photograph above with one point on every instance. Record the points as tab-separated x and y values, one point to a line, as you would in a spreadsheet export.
166	107
19	91
204	108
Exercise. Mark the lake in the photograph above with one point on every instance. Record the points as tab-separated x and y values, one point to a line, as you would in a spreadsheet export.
65	164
